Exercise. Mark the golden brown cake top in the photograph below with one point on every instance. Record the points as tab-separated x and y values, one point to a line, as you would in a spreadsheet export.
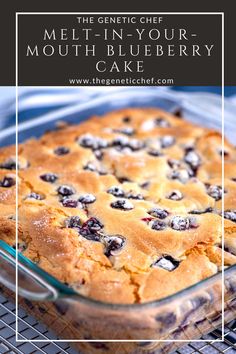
125	207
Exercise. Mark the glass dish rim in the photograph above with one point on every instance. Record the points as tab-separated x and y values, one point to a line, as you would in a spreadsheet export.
65	292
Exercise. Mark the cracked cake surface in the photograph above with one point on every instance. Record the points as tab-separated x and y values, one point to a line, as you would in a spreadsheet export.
126	208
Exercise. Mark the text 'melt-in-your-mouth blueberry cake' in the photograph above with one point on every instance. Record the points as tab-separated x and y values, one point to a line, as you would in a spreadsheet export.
126	208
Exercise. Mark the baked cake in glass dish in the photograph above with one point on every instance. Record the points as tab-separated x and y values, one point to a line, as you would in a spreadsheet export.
125	208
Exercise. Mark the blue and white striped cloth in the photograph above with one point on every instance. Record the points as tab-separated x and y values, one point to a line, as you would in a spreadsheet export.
35	102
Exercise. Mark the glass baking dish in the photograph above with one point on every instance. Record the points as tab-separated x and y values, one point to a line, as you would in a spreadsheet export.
139	328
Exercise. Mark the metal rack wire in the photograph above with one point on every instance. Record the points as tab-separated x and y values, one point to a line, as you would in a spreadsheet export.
30	328
213	347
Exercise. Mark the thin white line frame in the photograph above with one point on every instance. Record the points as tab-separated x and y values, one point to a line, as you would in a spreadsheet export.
222	106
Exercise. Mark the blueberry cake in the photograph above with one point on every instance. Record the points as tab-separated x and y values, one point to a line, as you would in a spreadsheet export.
126	208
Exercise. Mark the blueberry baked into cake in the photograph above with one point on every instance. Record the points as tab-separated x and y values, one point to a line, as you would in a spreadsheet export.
126	208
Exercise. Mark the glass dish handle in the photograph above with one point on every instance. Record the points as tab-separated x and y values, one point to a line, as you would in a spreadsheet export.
30	285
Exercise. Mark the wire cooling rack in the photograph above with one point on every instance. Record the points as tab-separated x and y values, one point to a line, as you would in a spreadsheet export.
30	328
